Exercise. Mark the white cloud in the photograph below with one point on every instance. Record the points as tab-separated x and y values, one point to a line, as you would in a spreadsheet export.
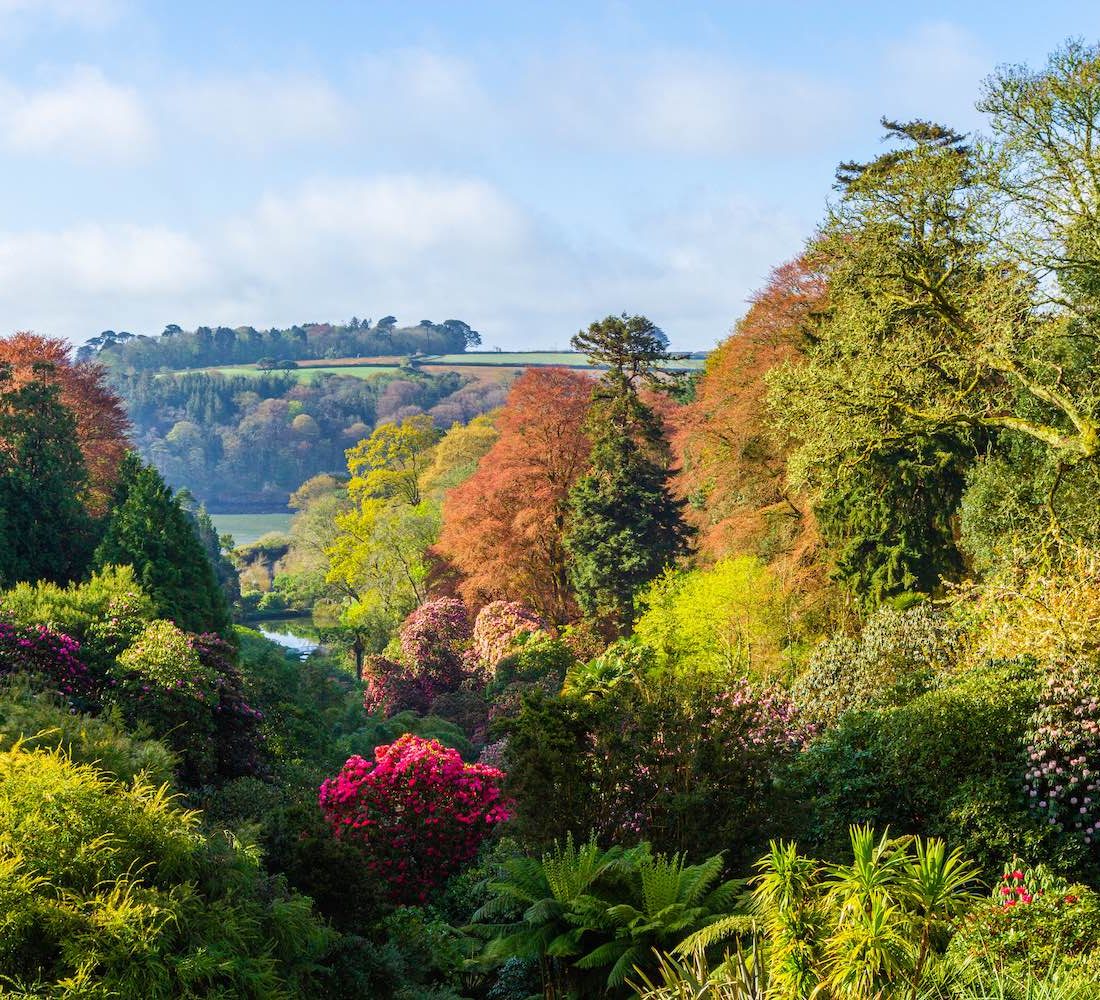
414	246
84	116
934	72
681	102
100	260
259	110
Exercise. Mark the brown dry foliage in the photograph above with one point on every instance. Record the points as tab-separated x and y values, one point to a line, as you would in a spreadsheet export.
503	527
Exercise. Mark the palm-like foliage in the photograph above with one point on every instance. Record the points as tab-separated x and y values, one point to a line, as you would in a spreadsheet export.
671	899
589	916
547	904
859	930
788	898
741	976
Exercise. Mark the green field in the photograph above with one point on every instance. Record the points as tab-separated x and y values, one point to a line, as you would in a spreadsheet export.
486	359
570	359
247	528
302	374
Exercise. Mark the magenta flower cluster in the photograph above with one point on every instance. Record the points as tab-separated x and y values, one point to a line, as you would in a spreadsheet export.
418	812
51	656
766	718
1062	782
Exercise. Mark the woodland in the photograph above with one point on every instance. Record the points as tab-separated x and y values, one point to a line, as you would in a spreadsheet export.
774	681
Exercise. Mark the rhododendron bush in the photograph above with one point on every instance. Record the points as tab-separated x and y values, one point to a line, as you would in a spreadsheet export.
498	626
433	640
46	654
418	811
1063	781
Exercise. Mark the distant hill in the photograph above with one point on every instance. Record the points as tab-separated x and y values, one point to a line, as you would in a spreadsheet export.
205	347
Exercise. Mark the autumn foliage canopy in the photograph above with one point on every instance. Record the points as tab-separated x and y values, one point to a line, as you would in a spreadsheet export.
734	461
503	527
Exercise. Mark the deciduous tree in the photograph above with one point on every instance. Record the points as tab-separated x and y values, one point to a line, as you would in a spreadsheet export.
504	527
732	455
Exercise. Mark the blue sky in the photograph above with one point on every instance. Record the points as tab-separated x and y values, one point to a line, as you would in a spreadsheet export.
524	167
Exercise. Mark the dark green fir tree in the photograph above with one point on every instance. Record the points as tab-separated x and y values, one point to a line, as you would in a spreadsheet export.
149	530
45	530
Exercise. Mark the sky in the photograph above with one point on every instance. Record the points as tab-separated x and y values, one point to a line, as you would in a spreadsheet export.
525	167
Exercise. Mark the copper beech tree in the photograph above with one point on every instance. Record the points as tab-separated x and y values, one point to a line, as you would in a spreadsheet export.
733	459
101	422
503	527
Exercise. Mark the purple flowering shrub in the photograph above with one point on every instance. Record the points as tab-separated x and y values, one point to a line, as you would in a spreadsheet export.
1063	777
497	629
237	732
434	639
389	688
49	656
435	661
689	764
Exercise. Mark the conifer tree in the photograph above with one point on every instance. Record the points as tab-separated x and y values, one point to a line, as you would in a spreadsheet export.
149	530
45	531
626	526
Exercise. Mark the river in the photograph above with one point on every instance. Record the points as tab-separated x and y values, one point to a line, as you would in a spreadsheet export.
299	635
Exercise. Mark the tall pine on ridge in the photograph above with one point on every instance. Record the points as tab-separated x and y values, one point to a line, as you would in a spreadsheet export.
626	526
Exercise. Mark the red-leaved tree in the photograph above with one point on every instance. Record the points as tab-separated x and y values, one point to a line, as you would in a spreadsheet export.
101	423
733	461
503	527
418	811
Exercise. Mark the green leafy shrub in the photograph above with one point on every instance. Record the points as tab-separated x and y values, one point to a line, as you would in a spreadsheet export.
535	656
1033	921
40	719
188	690
948	763
105	615
897	656
111	890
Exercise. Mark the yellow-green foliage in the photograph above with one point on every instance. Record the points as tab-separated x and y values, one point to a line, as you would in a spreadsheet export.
731	618
103	615
73	608
41	719
110	890
163	656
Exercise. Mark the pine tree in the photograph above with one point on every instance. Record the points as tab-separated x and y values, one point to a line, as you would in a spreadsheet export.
149	530
45	530
626	527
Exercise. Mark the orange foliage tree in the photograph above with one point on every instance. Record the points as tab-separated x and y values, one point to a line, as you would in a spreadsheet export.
733	460
503	527
100	418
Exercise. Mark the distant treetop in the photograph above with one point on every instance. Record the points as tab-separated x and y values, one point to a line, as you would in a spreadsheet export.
176	348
